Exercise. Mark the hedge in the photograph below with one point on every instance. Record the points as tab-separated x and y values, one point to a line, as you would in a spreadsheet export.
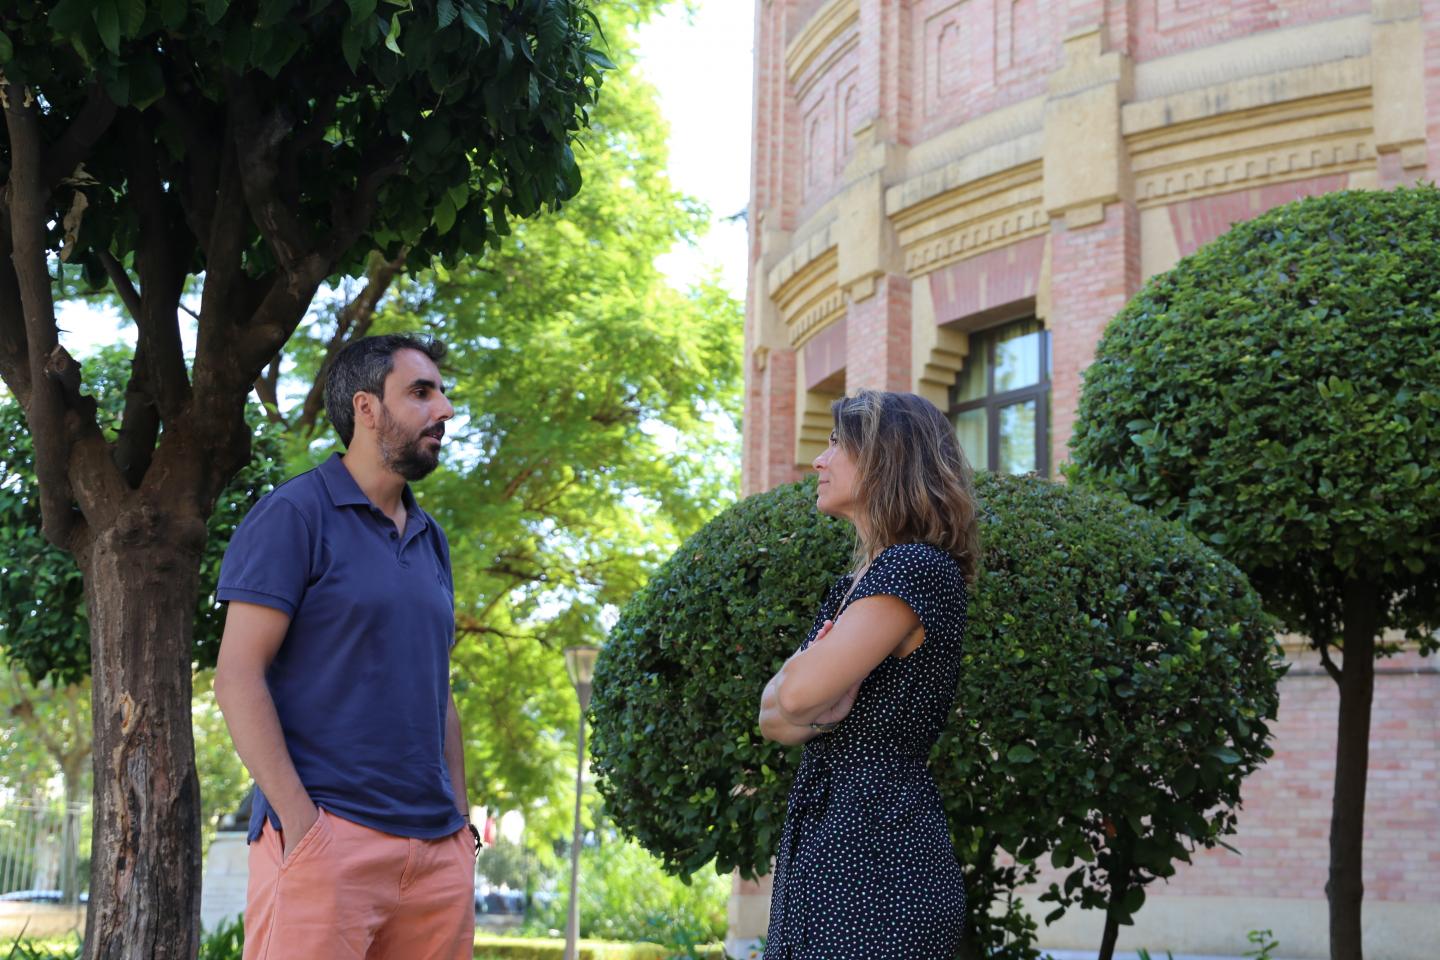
1119	681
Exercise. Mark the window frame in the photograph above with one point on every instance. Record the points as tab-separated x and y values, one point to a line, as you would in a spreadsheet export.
992	403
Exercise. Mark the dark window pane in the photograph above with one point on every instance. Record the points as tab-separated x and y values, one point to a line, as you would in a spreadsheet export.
1017	438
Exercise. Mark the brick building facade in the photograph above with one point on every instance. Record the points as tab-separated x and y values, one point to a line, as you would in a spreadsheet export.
953	197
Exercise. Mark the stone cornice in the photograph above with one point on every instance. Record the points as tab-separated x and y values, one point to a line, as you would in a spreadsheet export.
828	25
990	212
810	298
1290	140
814	246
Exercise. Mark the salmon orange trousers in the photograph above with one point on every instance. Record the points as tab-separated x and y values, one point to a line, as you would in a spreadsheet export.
352	893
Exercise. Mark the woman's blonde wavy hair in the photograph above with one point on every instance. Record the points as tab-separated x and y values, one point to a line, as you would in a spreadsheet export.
915	485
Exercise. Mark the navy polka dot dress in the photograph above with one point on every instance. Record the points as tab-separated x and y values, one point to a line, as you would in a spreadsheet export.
865	867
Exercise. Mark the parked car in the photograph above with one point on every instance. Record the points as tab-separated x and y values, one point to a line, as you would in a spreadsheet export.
500	902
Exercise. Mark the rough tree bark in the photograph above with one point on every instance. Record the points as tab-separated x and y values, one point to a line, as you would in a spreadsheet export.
141	576
1345	887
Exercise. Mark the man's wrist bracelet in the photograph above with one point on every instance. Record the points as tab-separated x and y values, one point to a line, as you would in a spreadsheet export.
824	727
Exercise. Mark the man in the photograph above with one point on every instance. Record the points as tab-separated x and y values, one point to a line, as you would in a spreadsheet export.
334	680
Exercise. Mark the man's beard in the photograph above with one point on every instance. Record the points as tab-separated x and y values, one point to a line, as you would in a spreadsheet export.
408	456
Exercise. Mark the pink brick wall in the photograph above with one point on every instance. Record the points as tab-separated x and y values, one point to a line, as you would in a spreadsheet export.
970	57
1163	27
1093	271
878	338
1197	222
825	354
1284	825
769	446
985	282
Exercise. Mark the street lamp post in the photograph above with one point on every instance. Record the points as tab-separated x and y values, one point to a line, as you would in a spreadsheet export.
580	662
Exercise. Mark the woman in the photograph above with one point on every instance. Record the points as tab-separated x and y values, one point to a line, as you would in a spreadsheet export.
865	867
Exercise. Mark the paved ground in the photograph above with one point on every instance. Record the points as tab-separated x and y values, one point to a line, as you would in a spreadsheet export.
1125	955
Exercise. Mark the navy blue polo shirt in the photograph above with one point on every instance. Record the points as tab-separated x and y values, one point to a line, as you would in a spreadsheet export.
362	680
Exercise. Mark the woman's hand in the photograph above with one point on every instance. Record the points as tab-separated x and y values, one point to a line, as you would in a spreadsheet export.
840	709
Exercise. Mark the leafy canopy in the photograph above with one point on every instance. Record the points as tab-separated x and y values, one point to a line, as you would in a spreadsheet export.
464	108
1279	392
1119	679
44	623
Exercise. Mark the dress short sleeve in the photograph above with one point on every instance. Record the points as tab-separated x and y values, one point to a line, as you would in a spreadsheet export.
268	559
930	582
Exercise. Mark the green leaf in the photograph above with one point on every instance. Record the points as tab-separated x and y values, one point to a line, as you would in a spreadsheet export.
474	21
1224	754
147	83
107	22
350	40
215	10
445	13
132	17
7	49
392	37
1020	753
172	13
444	216
70	16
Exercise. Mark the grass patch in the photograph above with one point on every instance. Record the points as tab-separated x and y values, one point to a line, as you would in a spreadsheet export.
490	947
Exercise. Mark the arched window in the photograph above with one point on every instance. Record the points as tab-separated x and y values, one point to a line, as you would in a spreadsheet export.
1000	403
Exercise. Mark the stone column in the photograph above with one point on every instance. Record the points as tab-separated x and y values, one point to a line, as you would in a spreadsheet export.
1095	229
1398	78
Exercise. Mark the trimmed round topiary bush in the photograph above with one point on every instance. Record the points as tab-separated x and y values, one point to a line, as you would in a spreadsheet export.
1279	393
1119	679
676	748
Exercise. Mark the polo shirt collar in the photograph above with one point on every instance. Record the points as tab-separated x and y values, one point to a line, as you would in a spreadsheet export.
345	492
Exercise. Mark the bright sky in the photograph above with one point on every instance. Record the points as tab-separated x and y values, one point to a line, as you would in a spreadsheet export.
702	67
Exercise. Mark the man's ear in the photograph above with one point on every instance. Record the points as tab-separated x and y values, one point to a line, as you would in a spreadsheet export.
366	408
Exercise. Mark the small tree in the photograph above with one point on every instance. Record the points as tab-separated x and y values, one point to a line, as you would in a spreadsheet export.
1279	393
1117	686
266	146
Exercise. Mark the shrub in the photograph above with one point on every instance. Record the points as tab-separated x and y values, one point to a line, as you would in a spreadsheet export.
1279	393
1118	680
625	894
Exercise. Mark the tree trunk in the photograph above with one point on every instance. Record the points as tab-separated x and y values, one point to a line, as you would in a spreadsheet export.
141	578
1112	928
1345	888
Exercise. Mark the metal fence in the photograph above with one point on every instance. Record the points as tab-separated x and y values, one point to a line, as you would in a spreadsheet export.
44	852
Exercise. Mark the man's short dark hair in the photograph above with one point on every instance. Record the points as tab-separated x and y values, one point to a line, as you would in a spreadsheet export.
364	365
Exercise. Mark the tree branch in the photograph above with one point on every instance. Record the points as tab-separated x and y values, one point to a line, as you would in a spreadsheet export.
351	212
158	261
14	348
352	323
202	172
267	389
134	447
1335	672
258	141
123	284
81	136
28	194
